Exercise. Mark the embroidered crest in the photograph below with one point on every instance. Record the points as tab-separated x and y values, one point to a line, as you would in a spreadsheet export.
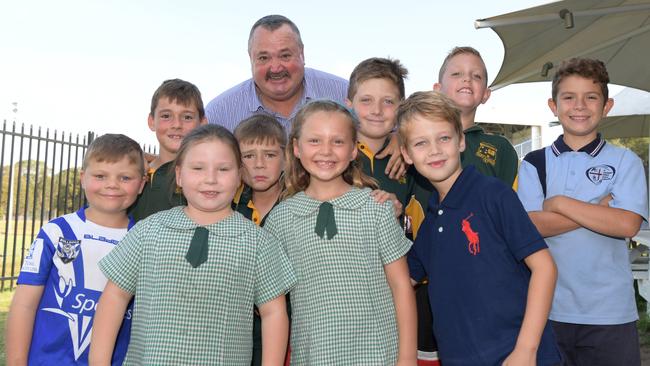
597	174
68	249
487	153
473	244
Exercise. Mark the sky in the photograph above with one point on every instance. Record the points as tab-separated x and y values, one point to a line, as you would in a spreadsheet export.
80	65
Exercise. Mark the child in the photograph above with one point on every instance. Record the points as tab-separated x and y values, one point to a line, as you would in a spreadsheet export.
53	308
463	78
585	196
491	276
375	90
176	109
262	140
196	271
346	248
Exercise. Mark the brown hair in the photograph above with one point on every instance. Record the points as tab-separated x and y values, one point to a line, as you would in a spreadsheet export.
179	91
587	68
378	68
261	128
112	148
463	50
429	105
297	178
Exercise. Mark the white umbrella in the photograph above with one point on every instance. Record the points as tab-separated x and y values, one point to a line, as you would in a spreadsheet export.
537	39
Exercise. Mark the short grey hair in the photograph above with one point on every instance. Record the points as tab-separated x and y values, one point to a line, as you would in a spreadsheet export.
271	23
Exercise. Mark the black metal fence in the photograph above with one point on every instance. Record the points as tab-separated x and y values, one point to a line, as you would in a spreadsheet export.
39	180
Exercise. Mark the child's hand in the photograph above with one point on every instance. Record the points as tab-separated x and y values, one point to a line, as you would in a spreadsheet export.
605	200
553	204
396	166
520	357
383	196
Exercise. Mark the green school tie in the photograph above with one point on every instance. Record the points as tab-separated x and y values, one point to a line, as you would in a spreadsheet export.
325	220
198	252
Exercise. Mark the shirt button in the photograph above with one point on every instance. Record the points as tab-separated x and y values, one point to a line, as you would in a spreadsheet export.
573	173
440	229
439	212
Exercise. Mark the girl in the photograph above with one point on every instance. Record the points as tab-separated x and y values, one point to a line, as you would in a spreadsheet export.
353	303
196	272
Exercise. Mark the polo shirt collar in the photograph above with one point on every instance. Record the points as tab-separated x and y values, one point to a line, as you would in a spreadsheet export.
303	205
82	215
460	191
473	129
593	148
232	226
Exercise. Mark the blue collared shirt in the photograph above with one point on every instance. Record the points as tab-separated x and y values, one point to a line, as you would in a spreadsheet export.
594	277
241	101
472	246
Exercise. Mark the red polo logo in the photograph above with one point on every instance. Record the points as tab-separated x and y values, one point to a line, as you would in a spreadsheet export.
473	244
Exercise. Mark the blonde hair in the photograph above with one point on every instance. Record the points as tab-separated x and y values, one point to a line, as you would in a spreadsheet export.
296	177
430	105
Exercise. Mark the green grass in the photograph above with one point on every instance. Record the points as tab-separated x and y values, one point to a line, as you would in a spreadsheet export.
5	300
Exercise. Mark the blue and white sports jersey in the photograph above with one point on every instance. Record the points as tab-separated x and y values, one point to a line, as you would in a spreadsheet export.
63	259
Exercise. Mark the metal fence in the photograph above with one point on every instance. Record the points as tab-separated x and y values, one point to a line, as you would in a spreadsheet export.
39	180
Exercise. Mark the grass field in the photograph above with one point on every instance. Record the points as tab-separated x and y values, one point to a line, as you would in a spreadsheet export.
5	300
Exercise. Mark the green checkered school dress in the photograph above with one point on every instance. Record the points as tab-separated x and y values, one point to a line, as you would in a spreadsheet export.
196	316
342	307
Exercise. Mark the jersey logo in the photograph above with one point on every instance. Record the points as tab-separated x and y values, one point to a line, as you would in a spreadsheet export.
67	249
487	153
599	173
80	325
32	263
473	244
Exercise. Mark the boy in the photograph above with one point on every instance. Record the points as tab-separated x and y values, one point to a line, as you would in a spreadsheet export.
490	286
176	109
375	90
585	196
463	78
52	311
261	140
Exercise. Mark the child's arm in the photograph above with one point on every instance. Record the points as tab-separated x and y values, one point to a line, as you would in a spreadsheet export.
538	305
275	330
108	319
20	323
397	274
600	217
550	223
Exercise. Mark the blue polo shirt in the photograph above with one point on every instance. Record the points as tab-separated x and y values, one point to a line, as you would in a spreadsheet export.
595	283
472	246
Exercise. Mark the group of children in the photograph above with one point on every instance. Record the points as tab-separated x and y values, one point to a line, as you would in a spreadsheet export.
197	281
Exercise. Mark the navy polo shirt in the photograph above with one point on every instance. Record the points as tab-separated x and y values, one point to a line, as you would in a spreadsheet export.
472	246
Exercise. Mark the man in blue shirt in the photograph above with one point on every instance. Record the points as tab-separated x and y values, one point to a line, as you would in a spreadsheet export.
280	84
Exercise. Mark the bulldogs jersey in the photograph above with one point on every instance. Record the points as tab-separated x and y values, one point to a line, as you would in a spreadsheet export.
63	259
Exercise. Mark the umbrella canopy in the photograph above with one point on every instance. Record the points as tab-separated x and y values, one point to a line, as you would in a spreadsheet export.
634	125
537	39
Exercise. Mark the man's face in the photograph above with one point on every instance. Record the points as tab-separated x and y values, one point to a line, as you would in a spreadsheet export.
277	63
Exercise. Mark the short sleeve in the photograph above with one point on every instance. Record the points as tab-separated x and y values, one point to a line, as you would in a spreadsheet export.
529	188
514	225
508	164
274	275
122	264
38	262
630	190
392	242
